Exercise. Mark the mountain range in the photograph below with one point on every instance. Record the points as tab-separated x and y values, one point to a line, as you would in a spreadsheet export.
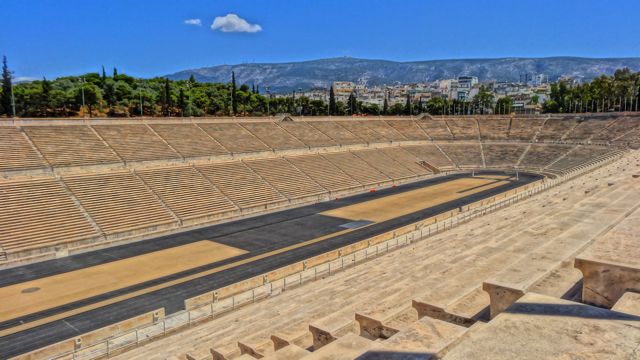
281	77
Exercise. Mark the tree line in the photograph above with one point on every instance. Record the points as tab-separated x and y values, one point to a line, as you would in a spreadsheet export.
120	95
619	92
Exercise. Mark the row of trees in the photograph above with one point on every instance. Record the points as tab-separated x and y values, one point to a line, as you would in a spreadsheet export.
619	92
120	95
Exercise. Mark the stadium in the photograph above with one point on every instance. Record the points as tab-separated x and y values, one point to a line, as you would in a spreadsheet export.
411	237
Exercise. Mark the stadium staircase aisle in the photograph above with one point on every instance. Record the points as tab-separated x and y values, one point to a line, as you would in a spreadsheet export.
234	137
631	139
525	129
586	129
406	159
187	193
357	168
16	152
135	142
554	129
324	173
494	128
189	140
576	157
385	164
73	145
465	128
337	132
436	129
364	132
273	135
241	185
286	178
618	129
409	129
120	202
39	213
385	130
502	156
431	154
539	156
465	155
309	135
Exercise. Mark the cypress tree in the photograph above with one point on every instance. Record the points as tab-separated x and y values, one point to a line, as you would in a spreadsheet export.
192	79
182	102
115	72
104	76
167	98
385	106
5	101
109	93
46	95
332	101
352	103
407	107
234	104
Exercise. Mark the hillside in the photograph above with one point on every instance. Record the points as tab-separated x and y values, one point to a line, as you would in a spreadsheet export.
319	73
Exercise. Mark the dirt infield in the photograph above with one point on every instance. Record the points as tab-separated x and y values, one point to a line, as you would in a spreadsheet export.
49	292
393	206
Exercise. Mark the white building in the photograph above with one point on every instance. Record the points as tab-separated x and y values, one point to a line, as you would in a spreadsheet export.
467	82
540	79
317	94
465	86
342	90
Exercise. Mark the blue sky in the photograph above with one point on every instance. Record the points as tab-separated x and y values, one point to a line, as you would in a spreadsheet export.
147	38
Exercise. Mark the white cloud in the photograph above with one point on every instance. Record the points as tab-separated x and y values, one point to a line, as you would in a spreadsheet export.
234	23
20	79
195	22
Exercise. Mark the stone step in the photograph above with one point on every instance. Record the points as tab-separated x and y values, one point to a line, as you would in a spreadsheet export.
425	336
258	345
347	347
198	354
564	282
403	319
225	352
245	357
629	303
299	336
592	219
543	327
460	299
472	307
289	352
329	329
384	324
611	265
